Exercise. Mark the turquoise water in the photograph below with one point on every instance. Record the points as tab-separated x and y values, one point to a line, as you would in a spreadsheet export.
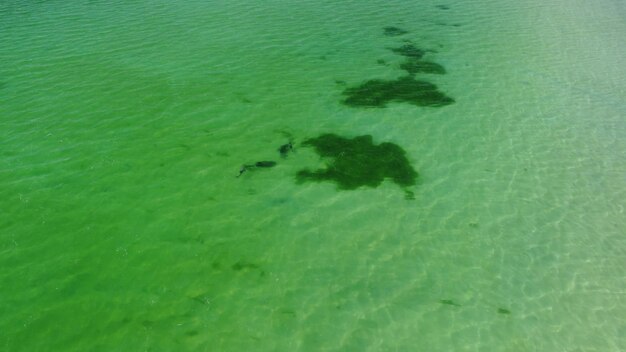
124	124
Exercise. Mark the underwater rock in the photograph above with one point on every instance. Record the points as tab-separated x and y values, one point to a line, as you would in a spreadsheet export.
378	92
413	66
391	31
449	302
244	265
285	149
357	162
503	311
409	50
265	164
262	164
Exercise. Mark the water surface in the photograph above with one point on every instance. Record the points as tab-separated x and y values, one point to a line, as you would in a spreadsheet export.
123	126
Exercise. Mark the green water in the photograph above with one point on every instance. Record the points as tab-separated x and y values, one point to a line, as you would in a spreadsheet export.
123	226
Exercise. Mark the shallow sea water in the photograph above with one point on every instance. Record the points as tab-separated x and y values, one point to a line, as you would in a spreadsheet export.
123	226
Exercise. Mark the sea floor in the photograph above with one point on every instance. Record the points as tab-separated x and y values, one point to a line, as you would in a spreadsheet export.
125	227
